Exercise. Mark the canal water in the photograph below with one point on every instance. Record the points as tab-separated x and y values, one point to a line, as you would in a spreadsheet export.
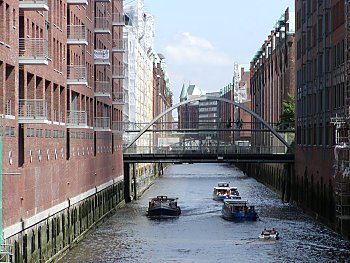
201	235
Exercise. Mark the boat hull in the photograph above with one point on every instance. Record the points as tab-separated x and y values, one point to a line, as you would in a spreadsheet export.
239	216
220	197
163	211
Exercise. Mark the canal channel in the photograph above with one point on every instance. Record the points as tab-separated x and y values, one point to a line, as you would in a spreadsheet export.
201	235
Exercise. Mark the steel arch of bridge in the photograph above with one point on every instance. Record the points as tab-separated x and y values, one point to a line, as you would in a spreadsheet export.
144	129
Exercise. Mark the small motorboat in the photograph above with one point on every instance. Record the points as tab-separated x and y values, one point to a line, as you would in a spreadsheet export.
238	210
224	191
269	234
163	205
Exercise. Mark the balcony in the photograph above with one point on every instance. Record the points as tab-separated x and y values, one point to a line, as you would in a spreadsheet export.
76	75
76	35
77	2
101	57
33	5
102	124
118	98
33	51
32	111
77	119
102	89
57	117
119	72
118	19
119	45
102	25
118	126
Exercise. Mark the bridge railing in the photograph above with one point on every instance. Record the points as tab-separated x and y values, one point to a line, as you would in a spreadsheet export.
225	149
237	125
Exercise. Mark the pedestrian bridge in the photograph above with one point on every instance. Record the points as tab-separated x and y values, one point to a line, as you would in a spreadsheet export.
208	140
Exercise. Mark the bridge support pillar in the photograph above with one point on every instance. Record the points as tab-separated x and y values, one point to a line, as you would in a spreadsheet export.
127	182
134	180
286	183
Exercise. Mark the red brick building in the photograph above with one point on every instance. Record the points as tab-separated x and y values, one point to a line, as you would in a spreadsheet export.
321	95
272	75
61	75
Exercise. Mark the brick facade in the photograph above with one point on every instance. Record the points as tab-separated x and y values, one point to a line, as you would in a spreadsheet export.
60	101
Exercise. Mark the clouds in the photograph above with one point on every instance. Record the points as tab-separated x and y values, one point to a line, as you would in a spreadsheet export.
188	49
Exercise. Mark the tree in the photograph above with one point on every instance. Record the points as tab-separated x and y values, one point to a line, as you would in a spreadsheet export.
287	119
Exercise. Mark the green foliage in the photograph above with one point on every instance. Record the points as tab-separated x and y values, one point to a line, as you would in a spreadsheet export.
287	119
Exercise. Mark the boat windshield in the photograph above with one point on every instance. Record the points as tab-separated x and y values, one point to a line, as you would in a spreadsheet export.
223	184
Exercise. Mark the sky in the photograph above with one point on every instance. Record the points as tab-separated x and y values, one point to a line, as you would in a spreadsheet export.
201	39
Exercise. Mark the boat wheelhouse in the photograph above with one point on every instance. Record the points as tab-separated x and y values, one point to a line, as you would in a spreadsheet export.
224	191
238	210
163	205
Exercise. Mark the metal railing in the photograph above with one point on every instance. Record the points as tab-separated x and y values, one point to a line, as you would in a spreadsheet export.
36	48
76	73
32	109
119	71
77	118
6	253
33	1
103	123
76	33
118	126
57	117
102	88
33	4
118	19
215	149
102	23
118	97
119	45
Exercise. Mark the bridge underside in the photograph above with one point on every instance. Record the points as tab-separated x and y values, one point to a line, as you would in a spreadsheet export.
208	158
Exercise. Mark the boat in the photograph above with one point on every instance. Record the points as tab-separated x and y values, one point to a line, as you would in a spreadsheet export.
224	191
269	234
238	210
163	205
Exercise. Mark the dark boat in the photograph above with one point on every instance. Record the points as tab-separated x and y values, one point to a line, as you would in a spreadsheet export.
238	210
163	206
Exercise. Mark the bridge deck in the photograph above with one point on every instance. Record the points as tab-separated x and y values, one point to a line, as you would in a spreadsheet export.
208	158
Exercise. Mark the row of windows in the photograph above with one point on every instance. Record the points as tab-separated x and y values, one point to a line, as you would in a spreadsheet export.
333	98
309	8
315	134
41	133
7	131
315	68
81	135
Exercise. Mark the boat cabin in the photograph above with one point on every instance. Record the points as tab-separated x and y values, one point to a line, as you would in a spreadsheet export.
221	190
238	205
172	202
223	184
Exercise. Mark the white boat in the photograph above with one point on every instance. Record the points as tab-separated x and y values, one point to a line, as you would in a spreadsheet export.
224	191
269	234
